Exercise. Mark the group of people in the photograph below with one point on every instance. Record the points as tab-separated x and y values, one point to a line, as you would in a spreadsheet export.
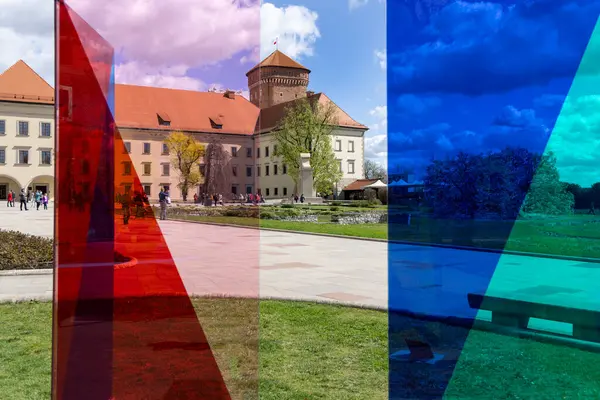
141	203
215	199
36	199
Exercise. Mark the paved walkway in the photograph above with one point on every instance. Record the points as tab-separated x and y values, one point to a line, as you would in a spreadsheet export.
238	261
35	222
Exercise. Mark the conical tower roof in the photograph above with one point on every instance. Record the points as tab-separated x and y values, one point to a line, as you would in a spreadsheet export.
278	59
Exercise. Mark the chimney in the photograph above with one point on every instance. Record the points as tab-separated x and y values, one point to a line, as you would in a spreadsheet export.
309	93
230	94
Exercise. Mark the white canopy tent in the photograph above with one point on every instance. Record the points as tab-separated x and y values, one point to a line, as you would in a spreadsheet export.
375	185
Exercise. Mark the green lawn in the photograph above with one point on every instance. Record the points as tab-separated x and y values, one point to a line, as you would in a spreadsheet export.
577	235
311	351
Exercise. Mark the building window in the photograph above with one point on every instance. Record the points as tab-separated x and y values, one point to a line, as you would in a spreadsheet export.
267	151
340	165
258	152
146	148
45	130
23	128
266	170
284	169
166	169
147	168
248	189
128	147
268	193
248	171
276	191
2	156
280	95
2	127
275	169
23	156
147	190
338	145
234	189
165	149
46	157
351	146
258	170
351	167
285	191
249	152
234	170
202	169
127	168
234	152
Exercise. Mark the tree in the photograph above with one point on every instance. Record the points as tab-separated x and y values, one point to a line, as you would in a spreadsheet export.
217	169
547	194
185	152
374	170
306	128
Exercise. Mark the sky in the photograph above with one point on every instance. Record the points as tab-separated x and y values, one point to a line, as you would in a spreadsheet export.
178	44
479	76
457	75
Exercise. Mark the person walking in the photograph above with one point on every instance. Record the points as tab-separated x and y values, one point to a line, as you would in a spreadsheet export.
14	196
45	201
38	199
9	199
302	198
23	199
162	201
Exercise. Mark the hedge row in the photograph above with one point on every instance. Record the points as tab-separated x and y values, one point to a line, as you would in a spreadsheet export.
22	251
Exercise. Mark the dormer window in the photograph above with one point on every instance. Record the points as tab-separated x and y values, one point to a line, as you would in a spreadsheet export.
163	119
216	122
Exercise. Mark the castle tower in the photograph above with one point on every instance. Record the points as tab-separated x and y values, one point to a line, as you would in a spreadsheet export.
277	79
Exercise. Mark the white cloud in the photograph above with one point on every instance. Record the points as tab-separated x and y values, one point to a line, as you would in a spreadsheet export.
381	56
376	147
376	142
156	32
354	4
27	33
379	112
575	139
294	27
135	73
160	42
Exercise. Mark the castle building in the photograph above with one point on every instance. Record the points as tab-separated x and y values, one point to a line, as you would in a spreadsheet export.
146	115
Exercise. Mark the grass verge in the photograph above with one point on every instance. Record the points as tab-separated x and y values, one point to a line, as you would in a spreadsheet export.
315	351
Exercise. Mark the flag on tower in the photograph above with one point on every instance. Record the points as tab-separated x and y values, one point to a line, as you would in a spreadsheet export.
275	42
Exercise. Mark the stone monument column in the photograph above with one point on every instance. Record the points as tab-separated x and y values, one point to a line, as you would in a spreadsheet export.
306	180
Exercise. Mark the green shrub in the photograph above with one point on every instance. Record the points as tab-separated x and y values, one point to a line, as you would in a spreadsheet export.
268	215
334	208
336	203
287	206
21	251
290	213
373	202
359	203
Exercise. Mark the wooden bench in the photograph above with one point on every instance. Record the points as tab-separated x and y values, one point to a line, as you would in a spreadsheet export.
516	313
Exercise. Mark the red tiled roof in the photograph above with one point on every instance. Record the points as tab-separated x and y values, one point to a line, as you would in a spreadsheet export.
138	107
272	116
278	59
21	83
359	184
